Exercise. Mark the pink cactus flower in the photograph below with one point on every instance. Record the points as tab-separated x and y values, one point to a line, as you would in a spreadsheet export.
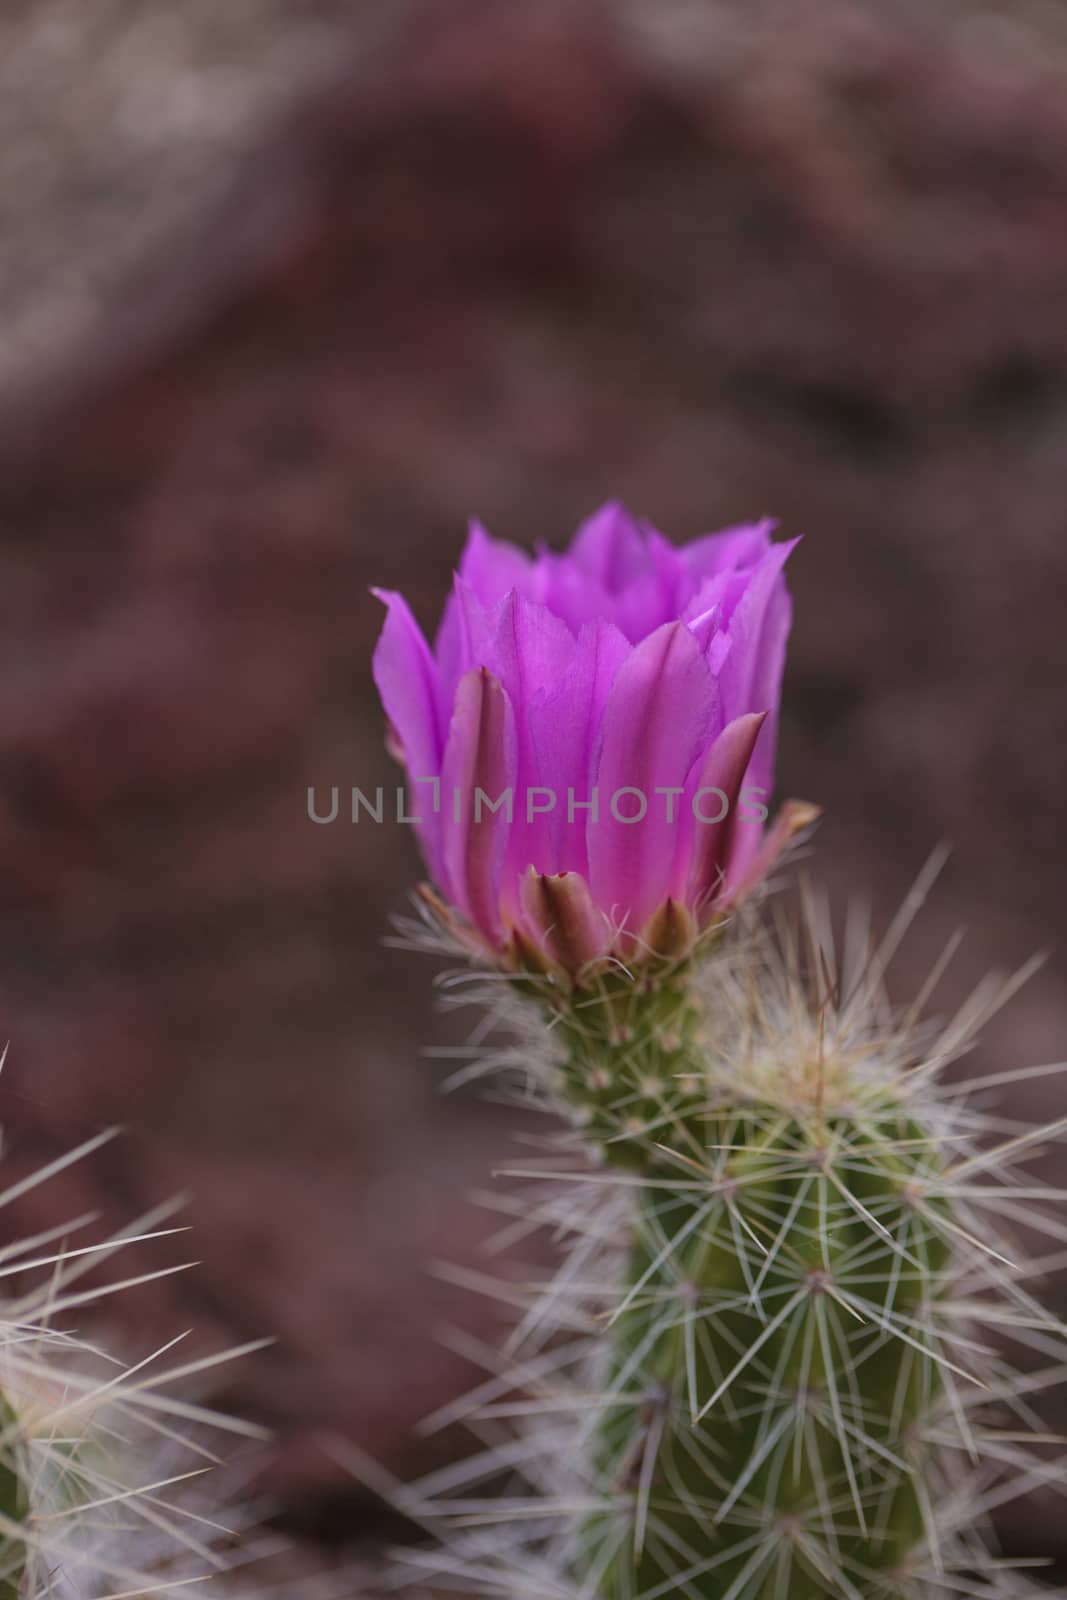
590	743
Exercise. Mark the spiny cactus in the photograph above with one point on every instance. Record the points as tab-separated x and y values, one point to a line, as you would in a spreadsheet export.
771	1366
97	1459
774	1362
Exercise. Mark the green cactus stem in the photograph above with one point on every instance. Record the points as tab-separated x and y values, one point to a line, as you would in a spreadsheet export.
13	1506
776	1355
778	1360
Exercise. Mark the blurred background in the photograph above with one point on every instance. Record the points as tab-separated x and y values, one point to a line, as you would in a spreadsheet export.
288	290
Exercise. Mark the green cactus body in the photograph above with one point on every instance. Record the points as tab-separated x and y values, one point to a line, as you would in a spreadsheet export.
778	1358
774	1353
13	1507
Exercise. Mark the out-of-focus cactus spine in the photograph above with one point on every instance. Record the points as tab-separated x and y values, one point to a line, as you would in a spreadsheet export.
96	1500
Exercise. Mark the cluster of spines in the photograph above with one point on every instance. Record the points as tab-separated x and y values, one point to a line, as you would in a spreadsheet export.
771	1366
781	1325
100	1461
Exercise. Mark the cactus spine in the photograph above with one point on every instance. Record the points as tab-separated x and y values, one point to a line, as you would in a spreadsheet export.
777	1339
98	1462
771	1366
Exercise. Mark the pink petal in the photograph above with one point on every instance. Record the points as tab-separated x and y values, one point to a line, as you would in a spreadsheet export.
729	550
479	755
528	648
406	677
765	600
531	652
489	569
706	846
657	598
462	640
751	675
570	593
492	567
565	726
658	716
609	549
